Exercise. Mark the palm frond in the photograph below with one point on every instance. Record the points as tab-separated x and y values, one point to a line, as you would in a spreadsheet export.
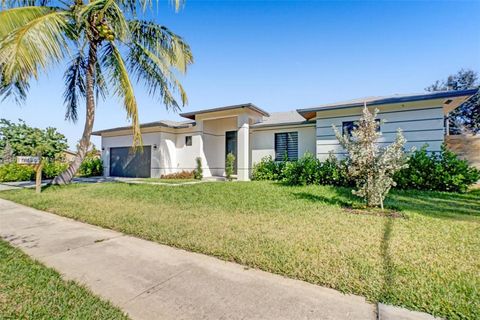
15	18
156	75
15	89
38	43
75	86
119	79
162	43
7	4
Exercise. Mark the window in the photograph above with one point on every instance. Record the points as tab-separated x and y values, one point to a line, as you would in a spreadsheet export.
348	126
188	140
286	145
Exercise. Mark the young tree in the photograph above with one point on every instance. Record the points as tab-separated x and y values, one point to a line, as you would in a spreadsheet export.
108	43
467	116
371	166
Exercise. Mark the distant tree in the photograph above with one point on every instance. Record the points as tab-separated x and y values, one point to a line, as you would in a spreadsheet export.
24	140
372	167
467	116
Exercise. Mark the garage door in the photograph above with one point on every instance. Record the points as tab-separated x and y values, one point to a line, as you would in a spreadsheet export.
124	162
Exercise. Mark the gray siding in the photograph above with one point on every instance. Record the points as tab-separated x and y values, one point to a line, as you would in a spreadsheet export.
420	126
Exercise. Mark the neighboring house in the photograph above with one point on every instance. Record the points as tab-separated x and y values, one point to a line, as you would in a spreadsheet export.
68	155
251	133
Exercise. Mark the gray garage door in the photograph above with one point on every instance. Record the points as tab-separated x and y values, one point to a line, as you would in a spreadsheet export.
126	163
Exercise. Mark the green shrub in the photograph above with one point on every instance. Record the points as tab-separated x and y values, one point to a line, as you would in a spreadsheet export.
91	167
302	172
198	172
229	166
268	169
51	169
334	172
441	171
306	170
16	172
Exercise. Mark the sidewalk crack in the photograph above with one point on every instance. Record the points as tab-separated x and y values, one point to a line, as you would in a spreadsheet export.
97	241
153	289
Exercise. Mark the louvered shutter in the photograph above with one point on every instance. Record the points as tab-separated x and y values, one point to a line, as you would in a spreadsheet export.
286	143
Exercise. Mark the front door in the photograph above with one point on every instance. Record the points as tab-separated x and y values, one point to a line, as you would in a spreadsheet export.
231	147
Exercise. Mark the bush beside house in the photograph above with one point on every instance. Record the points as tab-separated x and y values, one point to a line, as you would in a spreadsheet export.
442	171
91	167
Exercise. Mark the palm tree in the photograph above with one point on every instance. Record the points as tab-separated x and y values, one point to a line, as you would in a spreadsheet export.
105	44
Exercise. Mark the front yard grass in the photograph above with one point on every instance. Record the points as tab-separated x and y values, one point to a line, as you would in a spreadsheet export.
426	259
29	290
163	180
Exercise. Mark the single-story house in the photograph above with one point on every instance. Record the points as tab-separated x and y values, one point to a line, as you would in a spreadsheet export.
251	133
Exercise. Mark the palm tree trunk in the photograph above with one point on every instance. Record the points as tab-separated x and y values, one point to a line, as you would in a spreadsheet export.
67	176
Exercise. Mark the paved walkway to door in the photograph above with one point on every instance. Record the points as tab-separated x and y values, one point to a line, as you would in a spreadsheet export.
152	281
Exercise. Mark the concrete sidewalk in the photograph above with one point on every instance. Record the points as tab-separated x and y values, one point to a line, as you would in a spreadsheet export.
152	281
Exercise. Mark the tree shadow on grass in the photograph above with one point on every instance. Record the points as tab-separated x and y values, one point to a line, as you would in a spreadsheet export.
341	201
387	262
444	205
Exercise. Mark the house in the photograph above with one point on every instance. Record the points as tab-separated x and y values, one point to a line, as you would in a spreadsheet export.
68	155
251	133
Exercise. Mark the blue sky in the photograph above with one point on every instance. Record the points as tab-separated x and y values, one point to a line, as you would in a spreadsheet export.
283	55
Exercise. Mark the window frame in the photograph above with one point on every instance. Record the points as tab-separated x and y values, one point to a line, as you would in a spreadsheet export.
290	137
188	141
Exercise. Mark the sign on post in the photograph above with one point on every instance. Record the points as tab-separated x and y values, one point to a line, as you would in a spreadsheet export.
28	160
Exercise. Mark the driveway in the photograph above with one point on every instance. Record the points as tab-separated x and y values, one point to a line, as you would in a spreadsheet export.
152	281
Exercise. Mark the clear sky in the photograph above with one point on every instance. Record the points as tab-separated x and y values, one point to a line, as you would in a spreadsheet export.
284	55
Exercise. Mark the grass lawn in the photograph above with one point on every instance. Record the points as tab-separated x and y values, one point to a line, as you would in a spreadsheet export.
29	290
428	260
166	180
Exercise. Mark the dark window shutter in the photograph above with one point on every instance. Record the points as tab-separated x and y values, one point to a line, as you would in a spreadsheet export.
286	144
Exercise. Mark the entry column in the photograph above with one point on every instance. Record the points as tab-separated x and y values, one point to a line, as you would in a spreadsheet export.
243	148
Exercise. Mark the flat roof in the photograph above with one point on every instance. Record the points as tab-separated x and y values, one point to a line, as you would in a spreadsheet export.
309	113
251	106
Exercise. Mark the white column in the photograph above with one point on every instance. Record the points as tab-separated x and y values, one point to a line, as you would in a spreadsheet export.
105	160
243	172
198	140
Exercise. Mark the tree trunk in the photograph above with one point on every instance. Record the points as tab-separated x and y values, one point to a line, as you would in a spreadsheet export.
67	176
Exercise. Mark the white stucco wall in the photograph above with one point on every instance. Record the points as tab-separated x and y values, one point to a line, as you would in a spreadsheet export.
421	125
214	143
262	141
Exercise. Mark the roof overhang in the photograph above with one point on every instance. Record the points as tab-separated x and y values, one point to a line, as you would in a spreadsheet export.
156	124
249	106
452	100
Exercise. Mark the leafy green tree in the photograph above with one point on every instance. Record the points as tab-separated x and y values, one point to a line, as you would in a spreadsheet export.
467	116
24	140
109	45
